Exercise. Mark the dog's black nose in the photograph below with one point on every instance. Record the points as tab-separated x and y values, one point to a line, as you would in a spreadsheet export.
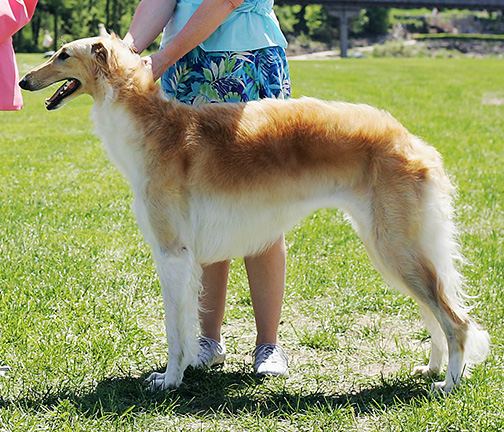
24	84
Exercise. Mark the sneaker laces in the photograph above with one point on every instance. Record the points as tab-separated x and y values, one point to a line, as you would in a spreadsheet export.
207	347
270	359
263	352
211	353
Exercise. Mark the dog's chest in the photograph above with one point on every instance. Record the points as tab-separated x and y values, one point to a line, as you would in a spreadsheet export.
121	140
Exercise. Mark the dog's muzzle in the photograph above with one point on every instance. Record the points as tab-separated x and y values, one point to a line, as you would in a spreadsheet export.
25	83
70	86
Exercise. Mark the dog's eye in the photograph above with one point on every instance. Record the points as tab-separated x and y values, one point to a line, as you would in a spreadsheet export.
63	55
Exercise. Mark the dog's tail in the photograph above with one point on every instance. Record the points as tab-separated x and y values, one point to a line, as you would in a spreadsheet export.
440	246
412	241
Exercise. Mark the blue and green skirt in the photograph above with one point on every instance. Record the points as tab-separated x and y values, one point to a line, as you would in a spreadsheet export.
202	77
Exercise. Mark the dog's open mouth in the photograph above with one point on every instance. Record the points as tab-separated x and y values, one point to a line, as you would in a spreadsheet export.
70	86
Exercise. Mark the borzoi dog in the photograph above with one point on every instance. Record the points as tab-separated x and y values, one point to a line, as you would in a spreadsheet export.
226	180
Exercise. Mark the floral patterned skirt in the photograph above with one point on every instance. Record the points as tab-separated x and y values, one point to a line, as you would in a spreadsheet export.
202	77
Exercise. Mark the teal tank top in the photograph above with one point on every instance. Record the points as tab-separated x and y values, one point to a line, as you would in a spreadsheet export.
252	25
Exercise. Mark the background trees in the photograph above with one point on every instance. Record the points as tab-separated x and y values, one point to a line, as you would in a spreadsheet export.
67	20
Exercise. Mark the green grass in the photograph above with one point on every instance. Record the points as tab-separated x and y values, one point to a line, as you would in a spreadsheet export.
82	322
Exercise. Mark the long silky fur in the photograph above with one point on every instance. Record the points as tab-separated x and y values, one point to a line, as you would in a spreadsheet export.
226	180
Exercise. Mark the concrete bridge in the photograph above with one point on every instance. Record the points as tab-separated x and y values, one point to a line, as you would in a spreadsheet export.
345	9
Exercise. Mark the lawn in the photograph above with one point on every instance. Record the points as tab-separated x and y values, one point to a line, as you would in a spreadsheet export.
82	322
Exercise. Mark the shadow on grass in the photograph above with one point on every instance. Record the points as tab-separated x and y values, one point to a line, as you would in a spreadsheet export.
207	394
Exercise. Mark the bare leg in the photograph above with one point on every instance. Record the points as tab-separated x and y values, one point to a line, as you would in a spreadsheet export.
266	273
213	299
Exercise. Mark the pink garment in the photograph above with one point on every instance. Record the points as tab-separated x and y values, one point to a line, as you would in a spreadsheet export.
14	14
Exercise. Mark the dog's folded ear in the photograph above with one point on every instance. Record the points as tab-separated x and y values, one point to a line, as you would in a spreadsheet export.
101	56
99	52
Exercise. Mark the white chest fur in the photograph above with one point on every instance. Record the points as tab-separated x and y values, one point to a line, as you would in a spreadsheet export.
121	140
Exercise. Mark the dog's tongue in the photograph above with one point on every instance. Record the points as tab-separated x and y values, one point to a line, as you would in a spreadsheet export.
69	87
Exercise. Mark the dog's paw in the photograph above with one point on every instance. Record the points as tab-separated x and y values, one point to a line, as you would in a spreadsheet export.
424	370
442	388
161	381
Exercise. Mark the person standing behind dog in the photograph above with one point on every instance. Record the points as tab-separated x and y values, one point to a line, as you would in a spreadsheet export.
224	51
14	15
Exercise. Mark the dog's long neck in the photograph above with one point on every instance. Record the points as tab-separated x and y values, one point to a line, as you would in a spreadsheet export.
138	125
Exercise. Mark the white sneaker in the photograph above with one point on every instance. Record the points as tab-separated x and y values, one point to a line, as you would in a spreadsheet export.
211	353
270	359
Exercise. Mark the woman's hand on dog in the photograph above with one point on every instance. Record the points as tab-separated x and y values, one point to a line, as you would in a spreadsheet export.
147	60
155	63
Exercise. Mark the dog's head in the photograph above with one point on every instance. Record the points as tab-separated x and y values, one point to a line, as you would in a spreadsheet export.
94	66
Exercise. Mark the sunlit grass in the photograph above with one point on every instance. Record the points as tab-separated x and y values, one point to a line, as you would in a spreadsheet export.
82	320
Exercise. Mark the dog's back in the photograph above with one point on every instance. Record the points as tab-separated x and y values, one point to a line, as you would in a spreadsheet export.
227	179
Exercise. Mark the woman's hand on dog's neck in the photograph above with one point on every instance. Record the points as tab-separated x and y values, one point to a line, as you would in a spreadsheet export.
207	18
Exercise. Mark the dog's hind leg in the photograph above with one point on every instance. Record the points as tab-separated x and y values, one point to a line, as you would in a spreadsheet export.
438	345
410	239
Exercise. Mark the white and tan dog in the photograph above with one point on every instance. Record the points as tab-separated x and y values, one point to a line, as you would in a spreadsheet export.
226	180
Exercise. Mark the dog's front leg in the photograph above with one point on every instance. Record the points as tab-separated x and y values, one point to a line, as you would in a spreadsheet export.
180	281
180	277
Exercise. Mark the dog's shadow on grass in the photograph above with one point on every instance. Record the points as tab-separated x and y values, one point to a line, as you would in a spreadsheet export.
228	393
